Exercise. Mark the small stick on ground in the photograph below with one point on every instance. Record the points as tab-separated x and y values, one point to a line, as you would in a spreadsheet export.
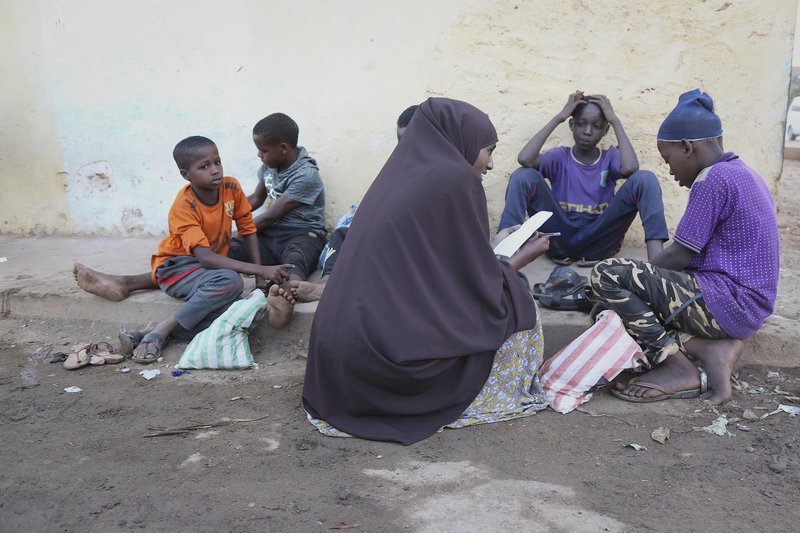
609	416
162	432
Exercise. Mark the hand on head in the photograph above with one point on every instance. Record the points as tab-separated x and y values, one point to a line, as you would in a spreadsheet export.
604	104
574	100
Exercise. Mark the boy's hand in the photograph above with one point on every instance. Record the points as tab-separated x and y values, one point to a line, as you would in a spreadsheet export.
574	100
533	248
261	283
605	106
276	274
502	234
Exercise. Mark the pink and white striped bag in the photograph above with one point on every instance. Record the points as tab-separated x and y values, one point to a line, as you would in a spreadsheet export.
595	358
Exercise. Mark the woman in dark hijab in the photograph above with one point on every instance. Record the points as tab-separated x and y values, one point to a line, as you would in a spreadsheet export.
421	326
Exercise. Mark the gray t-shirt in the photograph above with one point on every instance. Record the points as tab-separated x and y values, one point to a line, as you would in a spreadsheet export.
301	183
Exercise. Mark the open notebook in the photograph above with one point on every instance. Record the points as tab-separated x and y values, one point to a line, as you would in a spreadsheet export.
511	244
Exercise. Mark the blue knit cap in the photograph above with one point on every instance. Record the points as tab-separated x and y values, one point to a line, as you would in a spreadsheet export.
692	119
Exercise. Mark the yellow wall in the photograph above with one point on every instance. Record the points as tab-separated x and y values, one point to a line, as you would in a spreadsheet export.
95	93
33	197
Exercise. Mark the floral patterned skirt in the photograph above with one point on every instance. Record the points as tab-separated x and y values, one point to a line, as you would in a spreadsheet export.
511	391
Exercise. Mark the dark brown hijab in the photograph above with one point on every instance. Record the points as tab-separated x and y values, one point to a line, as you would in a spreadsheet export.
406	332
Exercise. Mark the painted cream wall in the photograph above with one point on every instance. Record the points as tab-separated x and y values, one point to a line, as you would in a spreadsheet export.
95	93
34	186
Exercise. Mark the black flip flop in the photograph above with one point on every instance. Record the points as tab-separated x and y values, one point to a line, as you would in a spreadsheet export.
665	394
562	278
565	290
577	300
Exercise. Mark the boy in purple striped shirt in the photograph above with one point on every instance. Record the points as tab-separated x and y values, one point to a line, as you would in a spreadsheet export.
714	286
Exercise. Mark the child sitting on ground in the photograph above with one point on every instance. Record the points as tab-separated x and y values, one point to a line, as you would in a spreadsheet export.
292	230
591	218
309	291
715	285
192	262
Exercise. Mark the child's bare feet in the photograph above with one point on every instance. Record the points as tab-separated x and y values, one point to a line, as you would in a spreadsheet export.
307	291
280	303
718	357
103	285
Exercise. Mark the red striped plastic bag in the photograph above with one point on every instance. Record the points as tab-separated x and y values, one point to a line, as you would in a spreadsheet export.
596	357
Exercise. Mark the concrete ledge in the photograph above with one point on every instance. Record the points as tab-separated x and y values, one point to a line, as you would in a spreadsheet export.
774	345
135	311
36	281
791	151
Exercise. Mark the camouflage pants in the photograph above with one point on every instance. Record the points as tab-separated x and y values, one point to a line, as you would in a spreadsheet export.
660	308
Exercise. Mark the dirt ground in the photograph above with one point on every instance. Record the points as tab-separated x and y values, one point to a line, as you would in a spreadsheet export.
81	461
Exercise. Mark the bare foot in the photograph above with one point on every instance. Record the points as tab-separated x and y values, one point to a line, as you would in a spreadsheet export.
281	305
675	374
718	357
306	291
103	285
621	381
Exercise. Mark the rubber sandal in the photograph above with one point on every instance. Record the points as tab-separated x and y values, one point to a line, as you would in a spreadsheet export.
152	344
58	357
564	290
78	357
563	261
665	394
577	300
106	352
541	290
562	279
587	263
129	340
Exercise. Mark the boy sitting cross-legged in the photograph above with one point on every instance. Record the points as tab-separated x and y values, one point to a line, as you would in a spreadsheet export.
191	262
590	215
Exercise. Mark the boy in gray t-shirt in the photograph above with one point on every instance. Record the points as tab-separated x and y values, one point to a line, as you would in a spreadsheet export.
292	230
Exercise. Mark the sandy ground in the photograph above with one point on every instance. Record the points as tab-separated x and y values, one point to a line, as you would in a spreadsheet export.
81	461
